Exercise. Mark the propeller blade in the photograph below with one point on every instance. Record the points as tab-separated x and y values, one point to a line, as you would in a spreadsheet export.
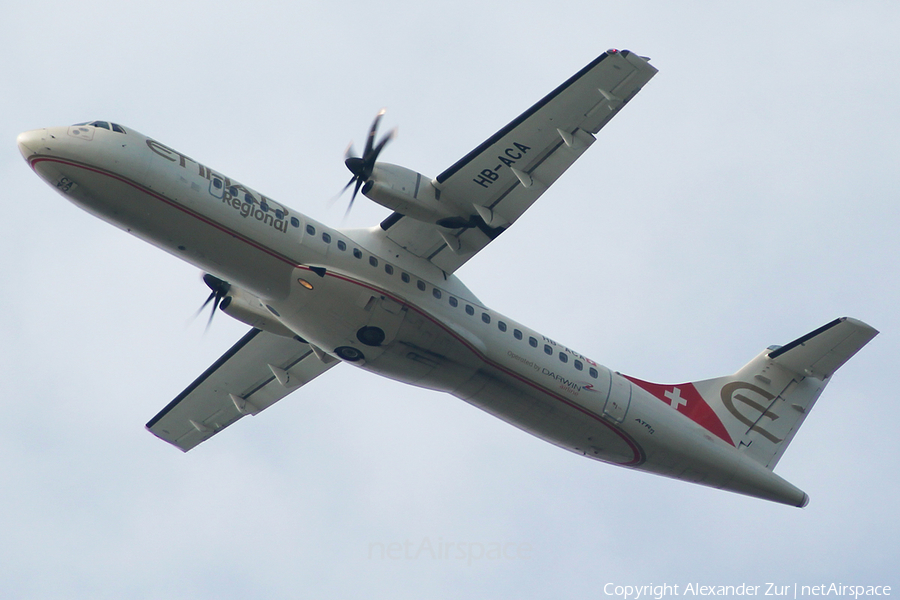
212	313
219	289
208	300
390	135
341	193
372	132
349	183
362	166
353	197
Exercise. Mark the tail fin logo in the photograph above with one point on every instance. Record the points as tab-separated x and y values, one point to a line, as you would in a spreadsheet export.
732	392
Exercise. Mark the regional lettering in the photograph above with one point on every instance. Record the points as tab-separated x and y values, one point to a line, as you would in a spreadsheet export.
261	213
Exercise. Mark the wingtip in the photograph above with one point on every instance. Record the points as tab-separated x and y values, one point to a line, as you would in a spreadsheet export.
861	325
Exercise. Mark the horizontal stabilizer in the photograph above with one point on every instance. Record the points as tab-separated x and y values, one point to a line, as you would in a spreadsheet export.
822	352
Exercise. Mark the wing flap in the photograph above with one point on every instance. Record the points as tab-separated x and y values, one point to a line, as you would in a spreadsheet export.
258	371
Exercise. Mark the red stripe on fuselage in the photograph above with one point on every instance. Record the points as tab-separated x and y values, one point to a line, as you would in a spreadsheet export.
639	456
171	203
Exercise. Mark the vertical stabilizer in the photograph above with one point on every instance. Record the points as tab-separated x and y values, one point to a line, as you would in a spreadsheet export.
763	405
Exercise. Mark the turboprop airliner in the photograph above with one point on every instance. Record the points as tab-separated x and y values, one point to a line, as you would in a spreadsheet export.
387	300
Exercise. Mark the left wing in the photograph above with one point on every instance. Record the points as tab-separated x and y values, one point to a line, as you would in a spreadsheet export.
493	185
258	371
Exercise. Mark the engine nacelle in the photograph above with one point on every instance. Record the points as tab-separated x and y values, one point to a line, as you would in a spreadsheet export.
248	309
408	193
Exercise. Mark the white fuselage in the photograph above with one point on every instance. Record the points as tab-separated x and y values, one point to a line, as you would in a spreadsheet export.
431	330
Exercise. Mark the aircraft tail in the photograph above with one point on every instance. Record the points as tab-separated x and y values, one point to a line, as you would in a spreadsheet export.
764	404
760	408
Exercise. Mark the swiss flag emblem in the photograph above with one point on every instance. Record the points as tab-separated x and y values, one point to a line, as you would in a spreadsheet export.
685	398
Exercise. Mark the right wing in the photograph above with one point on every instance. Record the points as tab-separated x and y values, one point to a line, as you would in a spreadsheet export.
258	371
494	184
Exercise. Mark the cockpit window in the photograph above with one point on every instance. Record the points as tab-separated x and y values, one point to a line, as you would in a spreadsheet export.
104	125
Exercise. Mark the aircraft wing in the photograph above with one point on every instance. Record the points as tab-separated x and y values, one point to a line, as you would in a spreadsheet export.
258	371
497	181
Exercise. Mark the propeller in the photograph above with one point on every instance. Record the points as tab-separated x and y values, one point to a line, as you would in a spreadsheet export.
362	166
219	289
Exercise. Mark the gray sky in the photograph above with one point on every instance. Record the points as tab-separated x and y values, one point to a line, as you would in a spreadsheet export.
746	196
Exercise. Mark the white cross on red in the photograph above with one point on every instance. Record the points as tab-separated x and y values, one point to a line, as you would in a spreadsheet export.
675	399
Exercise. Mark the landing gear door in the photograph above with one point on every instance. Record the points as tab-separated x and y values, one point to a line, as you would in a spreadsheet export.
387	315
619	399
385	318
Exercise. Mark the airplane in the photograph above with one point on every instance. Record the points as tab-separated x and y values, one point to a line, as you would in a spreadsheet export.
386	299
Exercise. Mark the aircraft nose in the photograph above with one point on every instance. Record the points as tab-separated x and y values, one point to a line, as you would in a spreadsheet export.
29	142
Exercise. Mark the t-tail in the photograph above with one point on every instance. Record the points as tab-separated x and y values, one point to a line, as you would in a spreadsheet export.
759	409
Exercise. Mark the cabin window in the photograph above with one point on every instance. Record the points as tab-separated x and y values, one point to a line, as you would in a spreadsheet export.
453	301
517	334
593	372
470	310
279	214
421	285
295	221
249	200
579	366
486	317
326	237
404	277
233	191
388	269
501	325
373	261
310	230
532	342
564	357
548	350
341	245
436	293
357	253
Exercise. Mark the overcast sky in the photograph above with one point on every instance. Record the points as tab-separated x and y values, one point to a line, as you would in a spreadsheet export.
748	195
